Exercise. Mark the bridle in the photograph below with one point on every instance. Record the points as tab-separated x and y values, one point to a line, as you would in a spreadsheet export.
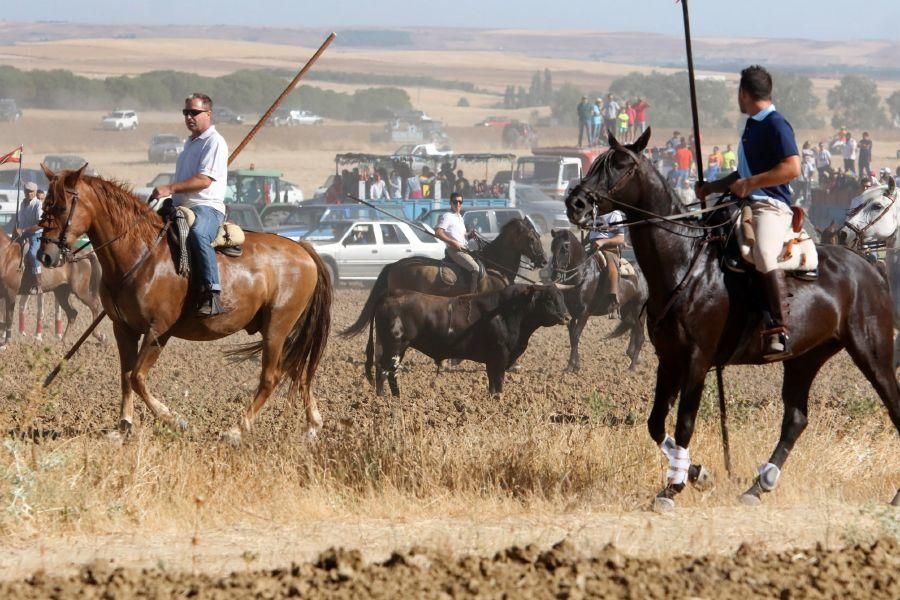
859	231
64	249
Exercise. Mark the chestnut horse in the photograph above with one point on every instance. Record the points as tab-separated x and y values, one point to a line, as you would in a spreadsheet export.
278	288
81	278
701	316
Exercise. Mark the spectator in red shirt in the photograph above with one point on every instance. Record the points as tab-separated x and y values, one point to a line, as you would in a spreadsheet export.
632	116
640	115
683	159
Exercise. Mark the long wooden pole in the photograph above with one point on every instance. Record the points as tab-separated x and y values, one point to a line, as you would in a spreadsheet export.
231	158
698	157
290	87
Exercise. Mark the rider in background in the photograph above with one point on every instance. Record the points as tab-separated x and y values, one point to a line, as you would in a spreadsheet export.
768	160
28	231
606	236
451	229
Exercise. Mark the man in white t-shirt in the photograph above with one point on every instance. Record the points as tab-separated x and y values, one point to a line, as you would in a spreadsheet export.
451	229
606	236
201	175
849	154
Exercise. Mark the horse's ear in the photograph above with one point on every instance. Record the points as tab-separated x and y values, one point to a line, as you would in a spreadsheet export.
80	172
48	172
640	143
892	185
613	142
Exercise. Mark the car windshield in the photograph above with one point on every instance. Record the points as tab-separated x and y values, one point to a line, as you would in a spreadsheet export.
119	115
245	217
431	217
162	179
281	216
166	139
328	233
424	236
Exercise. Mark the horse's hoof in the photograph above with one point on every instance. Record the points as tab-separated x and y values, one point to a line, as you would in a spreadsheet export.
663	505
115	438
748	499
231	437
896	500
38	337
516	368
179	423
701	478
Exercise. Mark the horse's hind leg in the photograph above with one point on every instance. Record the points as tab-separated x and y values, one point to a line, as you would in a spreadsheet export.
576	326
632	315
82	290
270	375
151	348
870	348
127	344
799	374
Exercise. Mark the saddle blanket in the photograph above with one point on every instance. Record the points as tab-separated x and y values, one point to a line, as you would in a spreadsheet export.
229	235
626	269
798	252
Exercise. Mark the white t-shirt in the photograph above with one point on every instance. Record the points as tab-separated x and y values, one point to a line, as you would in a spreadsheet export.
207	154
453	224
607	226
849	150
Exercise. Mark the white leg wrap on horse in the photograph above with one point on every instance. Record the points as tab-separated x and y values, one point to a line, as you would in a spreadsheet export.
668	447
768	476
677	473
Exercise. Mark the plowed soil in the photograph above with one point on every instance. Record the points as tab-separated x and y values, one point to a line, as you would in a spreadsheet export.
860	571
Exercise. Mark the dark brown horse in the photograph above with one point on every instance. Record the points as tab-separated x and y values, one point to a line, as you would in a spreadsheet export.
81	278
501	258
701	316
278	288
589	296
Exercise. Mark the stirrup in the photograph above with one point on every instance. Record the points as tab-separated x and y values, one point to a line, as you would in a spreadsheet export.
810	275
210	305
232	251
735	265
771	351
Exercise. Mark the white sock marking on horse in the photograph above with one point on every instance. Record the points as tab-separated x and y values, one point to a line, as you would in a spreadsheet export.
397	328
668	447
677	472
768	476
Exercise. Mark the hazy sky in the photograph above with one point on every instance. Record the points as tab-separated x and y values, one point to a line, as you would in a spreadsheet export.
817	19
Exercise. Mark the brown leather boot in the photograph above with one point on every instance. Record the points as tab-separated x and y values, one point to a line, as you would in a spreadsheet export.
775	338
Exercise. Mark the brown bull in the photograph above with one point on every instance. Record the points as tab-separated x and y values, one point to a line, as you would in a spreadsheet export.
491	328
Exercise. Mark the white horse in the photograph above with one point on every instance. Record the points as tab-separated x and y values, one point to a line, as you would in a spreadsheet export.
872	225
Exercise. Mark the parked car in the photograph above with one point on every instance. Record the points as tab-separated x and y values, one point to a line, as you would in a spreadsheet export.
494	122
296	221
9	178
120	120
545	212
223	114
260	187
67	162
161	179
9	111
289	117
359	250
244	215
164	147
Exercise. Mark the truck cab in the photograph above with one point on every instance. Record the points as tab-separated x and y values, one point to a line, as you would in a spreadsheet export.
550	174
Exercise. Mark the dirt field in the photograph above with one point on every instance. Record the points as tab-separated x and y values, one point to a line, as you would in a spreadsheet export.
445	491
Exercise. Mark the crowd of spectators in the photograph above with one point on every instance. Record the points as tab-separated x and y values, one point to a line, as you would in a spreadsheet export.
596	120
402	183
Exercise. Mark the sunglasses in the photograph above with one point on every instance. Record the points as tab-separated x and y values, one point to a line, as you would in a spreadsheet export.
456	202
193	112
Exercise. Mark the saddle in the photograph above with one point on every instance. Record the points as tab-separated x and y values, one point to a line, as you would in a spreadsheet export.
626	269
228	240
798	250
451	273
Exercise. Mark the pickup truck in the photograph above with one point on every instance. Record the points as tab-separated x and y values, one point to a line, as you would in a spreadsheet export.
551	174
422	150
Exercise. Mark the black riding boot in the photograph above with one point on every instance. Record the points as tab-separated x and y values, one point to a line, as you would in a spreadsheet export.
210	305
775	338
474	280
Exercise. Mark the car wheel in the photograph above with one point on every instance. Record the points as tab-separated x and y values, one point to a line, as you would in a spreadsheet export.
331	273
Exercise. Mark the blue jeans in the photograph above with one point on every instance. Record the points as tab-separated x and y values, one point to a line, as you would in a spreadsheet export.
200	238
584	130
34	242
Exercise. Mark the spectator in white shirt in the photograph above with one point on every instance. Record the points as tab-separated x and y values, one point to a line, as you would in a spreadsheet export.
378	189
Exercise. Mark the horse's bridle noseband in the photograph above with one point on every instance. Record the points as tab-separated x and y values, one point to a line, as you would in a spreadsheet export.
60	242
859	231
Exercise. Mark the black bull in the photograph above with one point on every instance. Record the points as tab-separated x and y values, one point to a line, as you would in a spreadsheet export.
491	328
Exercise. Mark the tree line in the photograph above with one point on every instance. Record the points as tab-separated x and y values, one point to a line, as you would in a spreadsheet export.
243	91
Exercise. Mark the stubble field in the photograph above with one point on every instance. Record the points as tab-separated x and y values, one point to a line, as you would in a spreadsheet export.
471	492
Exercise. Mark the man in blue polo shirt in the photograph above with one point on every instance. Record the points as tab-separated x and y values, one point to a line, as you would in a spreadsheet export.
768	160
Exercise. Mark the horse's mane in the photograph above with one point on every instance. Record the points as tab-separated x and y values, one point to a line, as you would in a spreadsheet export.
604	162
125	211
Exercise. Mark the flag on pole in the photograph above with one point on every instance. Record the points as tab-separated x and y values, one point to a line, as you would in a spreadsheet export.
12	157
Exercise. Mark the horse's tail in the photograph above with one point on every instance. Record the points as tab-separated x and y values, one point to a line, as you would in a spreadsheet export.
96	276
370	352
305	344
368	310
